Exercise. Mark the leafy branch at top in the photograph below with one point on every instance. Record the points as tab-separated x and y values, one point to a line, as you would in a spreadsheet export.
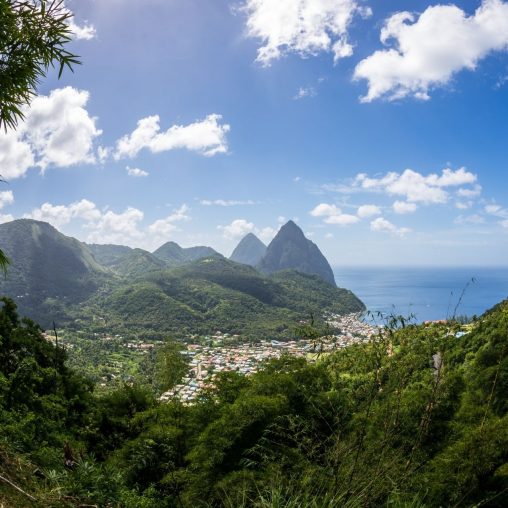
33	39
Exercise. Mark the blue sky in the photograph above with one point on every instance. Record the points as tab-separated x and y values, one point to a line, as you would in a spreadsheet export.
199	121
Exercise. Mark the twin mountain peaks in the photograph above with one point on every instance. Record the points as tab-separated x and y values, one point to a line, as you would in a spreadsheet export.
53	276
289	250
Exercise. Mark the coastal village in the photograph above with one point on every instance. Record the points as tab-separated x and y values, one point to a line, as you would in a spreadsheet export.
247	358
220	352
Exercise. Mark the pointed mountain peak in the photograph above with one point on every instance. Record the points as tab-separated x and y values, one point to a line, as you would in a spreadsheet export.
291	250
249	251
291	224
172	246
291	229
250	236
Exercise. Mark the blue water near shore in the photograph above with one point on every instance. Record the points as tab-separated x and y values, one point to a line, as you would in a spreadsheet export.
428	293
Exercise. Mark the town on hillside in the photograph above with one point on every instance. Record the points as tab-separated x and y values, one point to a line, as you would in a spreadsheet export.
215	356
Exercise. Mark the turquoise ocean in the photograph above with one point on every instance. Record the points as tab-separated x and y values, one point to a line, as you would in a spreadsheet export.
427	293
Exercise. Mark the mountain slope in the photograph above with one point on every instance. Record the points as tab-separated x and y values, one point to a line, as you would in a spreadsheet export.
108	255
47	266
137	262
291	250
249	251
174	255
57	278
217	294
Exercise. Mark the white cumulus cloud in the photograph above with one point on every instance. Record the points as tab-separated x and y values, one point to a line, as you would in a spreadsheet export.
470	193
108	226
266	234
207	137
6	218
497	211
402	207
415	187
60	129
84	31
333	215
57	131
237	229
382	225
164	227
6	198
59	215
325	210
136	172
117	228
16	156
368	211
343	219
304	27
426	51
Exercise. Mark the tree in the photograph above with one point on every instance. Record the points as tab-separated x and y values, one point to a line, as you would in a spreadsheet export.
171	366
33	37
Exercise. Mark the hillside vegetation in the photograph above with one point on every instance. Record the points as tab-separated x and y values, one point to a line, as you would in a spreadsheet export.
417	417
47	270
216	294
177	291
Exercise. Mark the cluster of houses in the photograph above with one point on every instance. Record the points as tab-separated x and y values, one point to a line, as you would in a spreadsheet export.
246	358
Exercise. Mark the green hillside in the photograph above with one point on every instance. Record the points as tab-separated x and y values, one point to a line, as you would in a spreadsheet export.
174	255
216	294
56	278
48	270
108	254
137	262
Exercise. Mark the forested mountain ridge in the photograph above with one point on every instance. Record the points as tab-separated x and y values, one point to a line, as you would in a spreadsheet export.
108	254
291	250
47	266
174	255
217	294
137	262
57	278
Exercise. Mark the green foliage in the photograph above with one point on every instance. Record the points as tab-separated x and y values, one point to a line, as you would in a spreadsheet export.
41	400
108	255
171	366
137	262
414	418
33	38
